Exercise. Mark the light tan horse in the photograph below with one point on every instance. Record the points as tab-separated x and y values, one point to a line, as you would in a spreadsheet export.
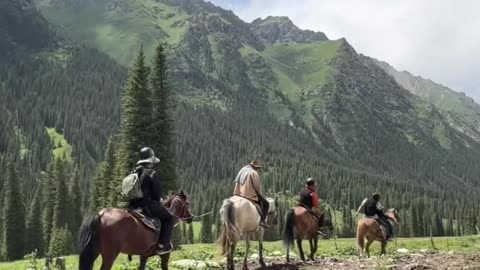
241	219
369	229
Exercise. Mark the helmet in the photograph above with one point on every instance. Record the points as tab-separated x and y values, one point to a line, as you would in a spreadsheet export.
147	156
310	182
376	196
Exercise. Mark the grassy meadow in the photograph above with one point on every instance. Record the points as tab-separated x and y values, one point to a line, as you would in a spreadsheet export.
339	248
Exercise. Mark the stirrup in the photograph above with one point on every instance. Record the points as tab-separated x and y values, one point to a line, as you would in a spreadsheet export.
264	225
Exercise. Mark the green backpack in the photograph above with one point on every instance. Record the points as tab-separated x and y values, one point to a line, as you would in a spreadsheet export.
131	187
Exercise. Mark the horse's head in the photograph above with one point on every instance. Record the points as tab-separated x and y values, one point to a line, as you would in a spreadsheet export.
392	213
326	220
179	205
272	216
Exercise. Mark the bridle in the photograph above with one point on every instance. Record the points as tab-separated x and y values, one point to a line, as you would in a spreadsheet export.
183	209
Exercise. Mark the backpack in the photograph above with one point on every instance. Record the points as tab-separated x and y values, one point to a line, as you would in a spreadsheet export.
131	187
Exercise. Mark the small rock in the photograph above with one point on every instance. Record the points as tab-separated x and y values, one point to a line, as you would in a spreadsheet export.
189	264
403	250
212	264
277	253
254	256
451	252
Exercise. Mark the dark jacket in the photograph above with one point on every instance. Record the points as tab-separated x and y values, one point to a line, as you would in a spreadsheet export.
308	198
150	183
373	208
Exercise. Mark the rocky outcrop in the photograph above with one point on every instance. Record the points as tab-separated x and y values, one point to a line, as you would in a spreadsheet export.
282	30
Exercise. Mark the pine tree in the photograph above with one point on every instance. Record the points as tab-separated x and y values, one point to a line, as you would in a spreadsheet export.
61	243
75	202
60	208
104	182
190	234
34	230
206	230
48	202
136	112
162	127
13	217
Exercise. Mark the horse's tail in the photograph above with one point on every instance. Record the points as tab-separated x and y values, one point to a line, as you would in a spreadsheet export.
360	237
88	242
229	231
288	234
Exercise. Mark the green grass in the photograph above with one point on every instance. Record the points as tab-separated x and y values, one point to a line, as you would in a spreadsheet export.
62	149
118	29
340	248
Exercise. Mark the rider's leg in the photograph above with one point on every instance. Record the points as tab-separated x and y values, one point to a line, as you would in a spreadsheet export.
264	205
166	229
384	222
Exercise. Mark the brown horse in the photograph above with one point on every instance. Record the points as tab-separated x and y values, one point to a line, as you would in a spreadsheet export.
113	231
300	224
368	228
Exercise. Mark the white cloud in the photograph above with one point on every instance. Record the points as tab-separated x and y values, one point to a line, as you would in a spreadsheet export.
437	39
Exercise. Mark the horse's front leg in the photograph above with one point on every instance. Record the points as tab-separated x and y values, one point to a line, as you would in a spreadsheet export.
312	249
260	253
384	244
143	262
247	248
164	261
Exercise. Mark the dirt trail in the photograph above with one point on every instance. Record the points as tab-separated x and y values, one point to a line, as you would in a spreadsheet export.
435	261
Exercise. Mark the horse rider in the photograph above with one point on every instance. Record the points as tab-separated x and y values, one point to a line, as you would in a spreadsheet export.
372	208
309	199
150	201
247	185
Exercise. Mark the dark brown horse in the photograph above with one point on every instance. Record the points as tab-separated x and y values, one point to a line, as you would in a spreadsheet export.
368	228
113	231
301	225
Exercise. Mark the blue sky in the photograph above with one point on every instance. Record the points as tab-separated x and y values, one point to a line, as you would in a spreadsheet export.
436	39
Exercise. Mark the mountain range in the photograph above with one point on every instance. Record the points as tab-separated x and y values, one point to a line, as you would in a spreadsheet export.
302	103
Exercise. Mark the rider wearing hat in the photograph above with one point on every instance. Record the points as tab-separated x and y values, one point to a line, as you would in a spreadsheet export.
247	185
150	185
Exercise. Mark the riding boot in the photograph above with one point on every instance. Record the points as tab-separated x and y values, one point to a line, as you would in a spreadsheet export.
264	206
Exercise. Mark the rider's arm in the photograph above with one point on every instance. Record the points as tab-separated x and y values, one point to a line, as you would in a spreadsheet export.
256	182
315	201
379	210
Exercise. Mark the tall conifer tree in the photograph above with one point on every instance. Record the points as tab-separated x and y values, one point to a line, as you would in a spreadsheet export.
13	216
136	113
162	127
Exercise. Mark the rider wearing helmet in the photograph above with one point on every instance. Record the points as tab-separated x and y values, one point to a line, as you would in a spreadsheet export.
309	198
150	201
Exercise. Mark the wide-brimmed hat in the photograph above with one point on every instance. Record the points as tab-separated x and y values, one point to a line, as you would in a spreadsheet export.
147	156
256	164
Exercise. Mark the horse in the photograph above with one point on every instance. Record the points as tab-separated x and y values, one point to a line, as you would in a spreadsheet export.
240	218
114	230
369	228
300	224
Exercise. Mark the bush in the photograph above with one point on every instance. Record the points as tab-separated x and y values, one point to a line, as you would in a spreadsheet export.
61	243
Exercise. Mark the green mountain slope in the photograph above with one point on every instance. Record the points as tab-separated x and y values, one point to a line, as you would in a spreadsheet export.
304	105
461	111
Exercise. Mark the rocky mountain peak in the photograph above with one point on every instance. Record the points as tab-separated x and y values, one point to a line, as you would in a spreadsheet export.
282	30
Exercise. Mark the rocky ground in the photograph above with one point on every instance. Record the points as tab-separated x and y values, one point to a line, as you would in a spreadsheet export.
404	262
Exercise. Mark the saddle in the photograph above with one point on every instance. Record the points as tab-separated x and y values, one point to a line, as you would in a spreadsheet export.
383	229
151	223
